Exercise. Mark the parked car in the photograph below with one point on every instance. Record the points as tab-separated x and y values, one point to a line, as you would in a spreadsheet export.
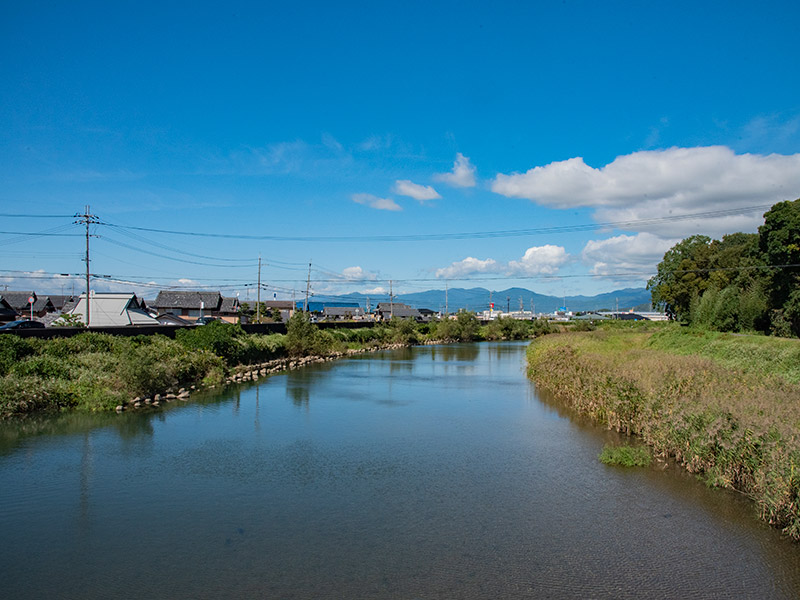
205	320
24	324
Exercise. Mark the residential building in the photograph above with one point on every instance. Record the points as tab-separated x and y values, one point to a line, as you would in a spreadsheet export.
191	305
112	310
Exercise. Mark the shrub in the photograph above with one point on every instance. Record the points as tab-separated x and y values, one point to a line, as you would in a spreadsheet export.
222	339
303	338
12	350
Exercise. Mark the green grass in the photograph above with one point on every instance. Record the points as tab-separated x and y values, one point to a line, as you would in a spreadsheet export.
761	355
626	456
730	411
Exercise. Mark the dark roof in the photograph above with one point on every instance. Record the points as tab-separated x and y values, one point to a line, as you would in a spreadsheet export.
172	320
343	311
186	299
18	300
280	304
228	305
59	301
6	312
397	310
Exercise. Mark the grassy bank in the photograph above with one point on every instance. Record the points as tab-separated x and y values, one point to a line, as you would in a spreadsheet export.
726	407
98	372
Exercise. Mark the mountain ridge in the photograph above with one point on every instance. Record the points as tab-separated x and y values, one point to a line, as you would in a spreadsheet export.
478	299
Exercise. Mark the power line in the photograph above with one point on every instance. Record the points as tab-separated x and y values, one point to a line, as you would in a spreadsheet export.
37	216
463	235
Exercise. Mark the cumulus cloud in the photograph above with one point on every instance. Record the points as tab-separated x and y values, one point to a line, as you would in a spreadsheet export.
419	192
376	202
469	266
357	273
664	183
622	254
462	175
538	260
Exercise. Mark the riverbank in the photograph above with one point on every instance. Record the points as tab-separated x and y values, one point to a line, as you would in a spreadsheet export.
100	372
725	407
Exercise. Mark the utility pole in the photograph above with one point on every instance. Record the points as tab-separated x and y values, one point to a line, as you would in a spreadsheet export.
87	218
508	304
391	301
446	307
308	286
258	295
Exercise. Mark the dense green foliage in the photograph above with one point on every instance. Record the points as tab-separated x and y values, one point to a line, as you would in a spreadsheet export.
743	282
230	342
96	371
724	406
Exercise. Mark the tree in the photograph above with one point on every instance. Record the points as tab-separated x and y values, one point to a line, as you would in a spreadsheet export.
779	242
69	320
681	276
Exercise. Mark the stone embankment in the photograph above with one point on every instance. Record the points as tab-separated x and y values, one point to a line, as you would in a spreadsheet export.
245	373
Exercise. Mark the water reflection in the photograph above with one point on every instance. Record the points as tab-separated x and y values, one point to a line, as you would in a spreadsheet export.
455	352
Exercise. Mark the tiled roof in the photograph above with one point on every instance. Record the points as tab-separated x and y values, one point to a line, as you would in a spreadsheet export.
17	300
187	299
228	306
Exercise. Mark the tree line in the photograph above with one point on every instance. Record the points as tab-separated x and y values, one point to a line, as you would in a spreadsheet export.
745	282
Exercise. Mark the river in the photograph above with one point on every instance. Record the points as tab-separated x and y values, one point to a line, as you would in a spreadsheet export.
429	472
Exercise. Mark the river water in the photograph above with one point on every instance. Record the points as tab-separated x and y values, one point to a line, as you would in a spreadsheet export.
430	472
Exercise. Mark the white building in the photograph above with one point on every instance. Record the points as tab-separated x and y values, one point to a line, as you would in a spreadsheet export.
112	310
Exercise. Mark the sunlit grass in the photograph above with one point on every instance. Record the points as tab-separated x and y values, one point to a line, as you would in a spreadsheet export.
727	412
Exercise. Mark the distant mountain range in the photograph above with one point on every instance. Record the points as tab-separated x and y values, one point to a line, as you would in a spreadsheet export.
477	299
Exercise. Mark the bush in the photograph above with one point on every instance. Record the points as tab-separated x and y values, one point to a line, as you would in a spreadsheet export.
225	340
12	350
303	338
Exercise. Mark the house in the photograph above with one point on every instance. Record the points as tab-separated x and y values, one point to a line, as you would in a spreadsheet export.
388	310
343	313
20	302
61	301
7	313
170	319
112	310
286	308
191	305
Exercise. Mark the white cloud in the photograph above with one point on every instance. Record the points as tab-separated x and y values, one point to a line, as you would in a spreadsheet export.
626	253
462	175
358	274
404	187
469	266
376	202
378	291
664	183
539	260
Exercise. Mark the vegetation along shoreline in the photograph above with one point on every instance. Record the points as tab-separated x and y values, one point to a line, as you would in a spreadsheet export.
101	372
723	406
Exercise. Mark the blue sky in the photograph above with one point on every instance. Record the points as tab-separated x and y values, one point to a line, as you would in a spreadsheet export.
391	127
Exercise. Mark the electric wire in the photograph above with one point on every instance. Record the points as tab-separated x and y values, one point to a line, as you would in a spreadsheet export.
463	235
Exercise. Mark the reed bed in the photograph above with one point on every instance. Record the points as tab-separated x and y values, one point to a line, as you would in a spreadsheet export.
726	411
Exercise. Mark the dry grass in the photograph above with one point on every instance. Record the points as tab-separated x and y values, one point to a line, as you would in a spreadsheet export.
736	426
